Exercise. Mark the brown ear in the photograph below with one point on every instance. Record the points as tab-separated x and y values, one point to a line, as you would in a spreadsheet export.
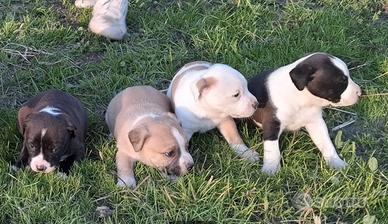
138	136
71	128
23	115
202	85
301	75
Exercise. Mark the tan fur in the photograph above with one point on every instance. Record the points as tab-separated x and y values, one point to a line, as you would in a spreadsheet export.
228	129
141	121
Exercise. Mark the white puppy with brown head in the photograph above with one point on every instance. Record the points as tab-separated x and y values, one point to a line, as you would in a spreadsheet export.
205	96
145	130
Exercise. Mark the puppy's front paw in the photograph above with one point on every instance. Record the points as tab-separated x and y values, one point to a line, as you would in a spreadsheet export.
62	175
130	182
85	3
14	168
246	153
336	163
270	168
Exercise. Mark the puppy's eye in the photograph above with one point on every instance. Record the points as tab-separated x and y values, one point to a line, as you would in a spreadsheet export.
31	145
170	154
236	94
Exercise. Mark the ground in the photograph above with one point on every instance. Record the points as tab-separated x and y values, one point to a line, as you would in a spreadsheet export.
45	44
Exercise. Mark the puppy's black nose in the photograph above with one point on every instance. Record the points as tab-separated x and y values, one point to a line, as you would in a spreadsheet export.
190	166
255	105
41	167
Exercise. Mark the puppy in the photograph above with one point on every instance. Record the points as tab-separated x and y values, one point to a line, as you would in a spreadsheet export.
205	96
145	130
292	97
53	125
108	18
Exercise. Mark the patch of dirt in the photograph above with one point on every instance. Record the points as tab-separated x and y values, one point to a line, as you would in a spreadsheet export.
64	16
89	58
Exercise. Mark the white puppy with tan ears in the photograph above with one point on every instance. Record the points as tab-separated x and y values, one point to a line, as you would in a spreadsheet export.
206	96
145	130
108	18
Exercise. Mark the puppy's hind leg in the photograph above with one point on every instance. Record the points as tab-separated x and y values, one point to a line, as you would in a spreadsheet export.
109	18
125	174
228	129
85	3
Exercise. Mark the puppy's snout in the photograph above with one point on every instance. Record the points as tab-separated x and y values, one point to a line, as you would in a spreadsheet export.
360	92
41	167
255	105
190	166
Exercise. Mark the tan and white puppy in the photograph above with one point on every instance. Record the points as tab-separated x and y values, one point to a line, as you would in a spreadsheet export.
145	130
108	18
205	96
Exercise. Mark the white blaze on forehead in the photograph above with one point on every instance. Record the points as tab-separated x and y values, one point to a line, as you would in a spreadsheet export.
51	110
38	161
341	65
43	132
185	157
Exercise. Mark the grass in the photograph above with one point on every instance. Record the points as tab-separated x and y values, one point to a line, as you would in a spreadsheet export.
45	44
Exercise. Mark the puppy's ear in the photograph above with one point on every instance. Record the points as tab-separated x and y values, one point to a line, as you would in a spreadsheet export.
138	136
202	85
301	75
23	115
71	129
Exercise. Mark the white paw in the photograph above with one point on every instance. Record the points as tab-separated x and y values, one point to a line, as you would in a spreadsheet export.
246	153
14	168
172	178
336	163
85	3
130	182
270	168
62	175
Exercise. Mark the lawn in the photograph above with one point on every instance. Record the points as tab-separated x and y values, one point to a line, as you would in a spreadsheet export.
45	44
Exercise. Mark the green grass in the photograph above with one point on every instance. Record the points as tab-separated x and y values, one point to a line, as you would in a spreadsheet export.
45	44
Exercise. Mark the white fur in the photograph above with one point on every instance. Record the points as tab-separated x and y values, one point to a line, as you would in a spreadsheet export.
85	3
217	104
51	110
244	152
271	157
109	18
296	109
185	158
40	161
128	181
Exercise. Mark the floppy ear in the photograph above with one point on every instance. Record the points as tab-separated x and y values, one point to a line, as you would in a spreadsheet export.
301	75
71	129
138	136
23	115
201	85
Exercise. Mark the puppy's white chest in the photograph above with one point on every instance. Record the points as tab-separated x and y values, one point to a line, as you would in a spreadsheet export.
297	118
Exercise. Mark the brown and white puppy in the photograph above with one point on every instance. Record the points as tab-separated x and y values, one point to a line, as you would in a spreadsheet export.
206	96
293	96
53	125
145	130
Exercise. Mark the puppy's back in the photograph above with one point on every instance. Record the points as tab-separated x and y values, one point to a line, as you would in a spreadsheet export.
133	102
